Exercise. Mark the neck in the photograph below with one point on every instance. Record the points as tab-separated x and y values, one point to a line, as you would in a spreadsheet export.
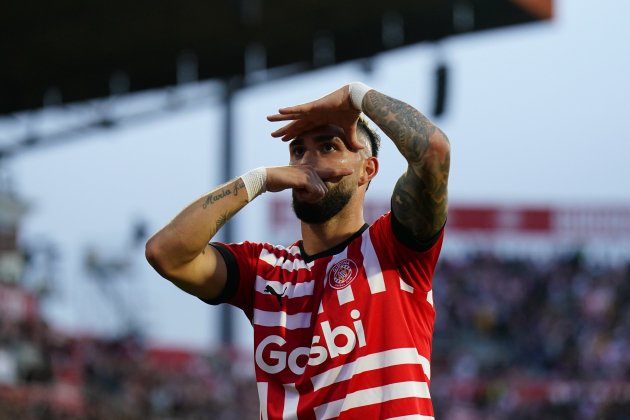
320	237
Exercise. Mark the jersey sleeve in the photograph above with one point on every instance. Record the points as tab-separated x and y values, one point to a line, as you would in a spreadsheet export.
241	261
415	262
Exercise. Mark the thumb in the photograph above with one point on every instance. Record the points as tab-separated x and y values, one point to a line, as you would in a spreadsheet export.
352	138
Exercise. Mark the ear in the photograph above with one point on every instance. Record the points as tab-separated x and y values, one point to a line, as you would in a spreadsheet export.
370	169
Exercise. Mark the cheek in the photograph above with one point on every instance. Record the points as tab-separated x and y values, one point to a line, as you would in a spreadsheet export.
350	161
352	180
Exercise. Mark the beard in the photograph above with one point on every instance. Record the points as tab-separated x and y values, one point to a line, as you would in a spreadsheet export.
323	210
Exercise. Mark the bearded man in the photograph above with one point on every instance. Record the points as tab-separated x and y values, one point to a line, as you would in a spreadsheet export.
343	318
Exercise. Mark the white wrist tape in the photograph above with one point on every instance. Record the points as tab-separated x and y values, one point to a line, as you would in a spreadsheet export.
357	91
255	182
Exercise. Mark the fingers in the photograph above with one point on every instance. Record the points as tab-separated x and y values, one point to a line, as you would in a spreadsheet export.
353	141
307	181
312	187
315	188
282	131
293	129
283	117
313	192
297	109
290	113
329	173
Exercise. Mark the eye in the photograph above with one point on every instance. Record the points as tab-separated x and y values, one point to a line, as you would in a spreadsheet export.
329	147
297	151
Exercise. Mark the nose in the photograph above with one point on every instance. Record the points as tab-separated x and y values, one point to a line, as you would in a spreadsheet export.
308	158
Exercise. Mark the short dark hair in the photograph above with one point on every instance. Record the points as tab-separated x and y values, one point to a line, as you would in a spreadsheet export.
373	137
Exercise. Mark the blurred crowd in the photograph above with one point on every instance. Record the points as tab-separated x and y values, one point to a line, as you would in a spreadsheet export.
531	339
515	339
47	375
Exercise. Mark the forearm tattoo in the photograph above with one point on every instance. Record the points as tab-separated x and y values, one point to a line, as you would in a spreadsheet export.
223	218
420	196
225	191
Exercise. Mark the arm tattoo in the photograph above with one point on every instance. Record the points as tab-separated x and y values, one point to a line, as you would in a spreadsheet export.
213	198
420	201
230	189
408	128
222	219
420	196
240	185
224	192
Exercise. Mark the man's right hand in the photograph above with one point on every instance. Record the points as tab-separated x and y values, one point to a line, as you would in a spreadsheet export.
308	181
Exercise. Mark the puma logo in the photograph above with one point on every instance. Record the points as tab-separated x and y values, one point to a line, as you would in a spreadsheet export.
278	296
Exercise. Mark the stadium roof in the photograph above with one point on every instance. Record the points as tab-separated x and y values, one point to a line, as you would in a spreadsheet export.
83	50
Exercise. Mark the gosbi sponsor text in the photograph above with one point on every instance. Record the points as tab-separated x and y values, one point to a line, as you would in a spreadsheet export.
273	358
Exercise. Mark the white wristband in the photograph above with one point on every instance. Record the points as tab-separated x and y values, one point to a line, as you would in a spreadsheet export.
255	182
357	91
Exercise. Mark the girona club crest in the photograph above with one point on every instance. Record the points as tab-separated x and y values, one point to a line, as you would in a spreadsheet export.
342	273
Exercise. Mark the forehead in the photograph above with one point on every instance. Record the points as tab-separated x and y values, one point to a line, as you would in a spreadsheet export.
323	131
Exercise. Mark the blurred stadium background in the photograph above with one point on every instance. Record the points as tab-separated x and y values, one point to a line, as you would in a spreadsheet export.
114	115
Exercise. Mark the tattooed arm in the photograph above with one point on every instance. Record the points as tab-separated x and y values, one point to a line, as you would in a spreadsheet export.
180	250
419	200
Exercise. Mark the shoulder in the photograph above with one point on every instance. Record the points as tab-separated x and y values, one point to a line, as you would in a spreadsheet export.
262	255
388	229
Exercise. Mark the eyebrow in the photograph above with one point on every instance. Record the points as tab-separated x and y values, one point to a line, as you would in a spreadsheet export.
299	141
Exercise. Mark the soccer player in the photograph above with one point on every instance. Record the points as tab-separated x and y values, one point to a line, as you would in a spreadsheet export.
343	319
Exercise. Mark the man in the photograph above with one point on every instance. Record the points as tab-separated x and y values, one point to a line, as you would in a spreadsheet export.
343	319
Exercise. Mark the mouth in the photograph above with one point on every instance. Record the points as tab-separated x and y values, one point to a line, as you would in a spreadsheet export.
305	197
333	180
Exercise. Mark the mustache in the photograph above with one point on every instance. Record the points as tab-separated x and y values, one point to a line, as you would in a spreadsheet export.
323	210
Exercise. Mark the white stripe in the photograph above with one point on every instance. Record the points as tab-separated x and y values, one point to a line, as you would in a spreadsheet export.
292	290
371	396
372	265
292	250
321	308
268	257
374	361
430	297
405	286
345	295
291	399
289	265
263	388
281	319
412	417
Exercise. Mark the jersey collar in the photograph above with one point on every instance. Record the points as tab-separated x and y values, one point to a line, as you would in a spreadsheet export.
331	251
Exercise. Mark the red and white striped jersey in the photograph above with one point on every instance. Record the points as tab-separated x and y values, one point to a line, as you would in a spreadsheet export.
342	334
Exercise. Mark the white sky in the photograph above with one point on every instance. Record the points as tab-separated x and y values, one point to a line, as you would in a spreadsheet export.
535	114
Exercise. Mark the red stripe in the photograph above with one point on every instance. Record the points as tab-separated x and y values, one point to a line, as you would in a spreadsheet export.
393	408
275	401
370	379
277	273
268	302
